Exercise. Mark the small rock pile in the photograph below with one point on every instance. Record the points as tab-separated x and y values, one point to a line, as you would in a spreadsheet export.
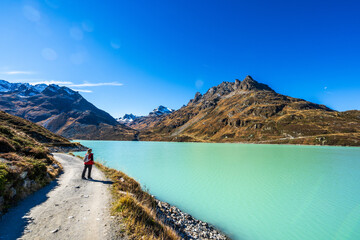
185	225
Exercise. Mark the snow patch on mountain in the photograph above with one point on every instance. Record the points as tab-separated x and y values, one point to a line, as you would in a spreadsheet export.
40	87
28	90
68	91
53	87
4	86
127	118
161	110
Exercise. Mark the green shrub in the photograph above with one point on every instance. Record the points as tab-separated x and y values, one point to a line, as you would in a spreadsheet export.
39	169
5	130
3	177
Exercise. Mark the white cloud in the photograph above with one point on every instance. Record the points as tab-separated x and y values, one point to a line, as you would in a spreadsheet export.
50	82
18	72
26	80
69	84
96	84
82	90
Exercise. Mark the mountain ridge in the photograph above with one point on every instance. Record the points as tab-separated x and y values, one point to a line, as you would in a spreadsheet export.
241	111
251	112
62	111
141	122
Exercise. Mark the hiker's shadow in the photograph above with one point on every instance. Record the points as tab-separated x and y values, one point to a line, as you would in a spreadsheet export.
101	181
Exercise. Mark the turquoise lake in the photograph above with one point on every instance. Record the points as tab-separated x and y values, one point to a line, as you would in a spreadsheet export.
249	191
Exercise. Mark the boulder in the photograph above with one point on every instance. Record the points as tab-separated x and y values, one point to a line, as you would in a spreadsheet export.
23	174
12	192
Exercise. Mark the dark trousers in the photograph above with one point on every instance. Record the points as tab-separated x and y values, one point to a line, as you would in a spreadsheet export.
89	167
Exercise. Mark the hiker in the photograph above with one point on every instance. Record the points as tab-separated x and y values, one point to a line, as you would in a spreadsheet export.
88	162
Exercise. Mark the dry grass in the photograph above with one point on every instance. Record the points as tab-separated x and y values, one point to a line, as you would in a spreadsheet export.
136	207
39	172
258	117
21	132
25	162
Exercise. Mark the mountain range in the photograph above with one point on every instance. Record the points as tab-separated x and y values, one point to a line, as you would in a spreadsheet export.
249	111
239	111
141	122
127	118
61	110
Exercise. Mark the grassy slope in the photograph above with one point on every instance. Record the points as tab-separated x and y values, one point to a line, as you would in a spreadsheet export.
259	117
100	132
136	207
25	161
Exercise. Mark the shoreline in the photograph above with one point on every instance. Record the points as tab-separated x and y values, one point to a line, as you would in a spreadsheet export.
242	143
185	225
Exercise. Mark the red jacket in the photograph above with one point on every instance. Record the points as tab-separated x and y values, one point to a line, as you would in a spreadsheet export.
91	159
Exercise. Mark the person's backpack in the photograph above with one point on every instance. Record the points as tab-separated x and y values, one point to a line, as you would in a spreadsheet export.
86	158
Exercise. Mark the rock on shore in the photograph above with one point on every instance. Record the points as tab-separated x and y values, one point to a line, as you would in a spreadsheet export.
185	225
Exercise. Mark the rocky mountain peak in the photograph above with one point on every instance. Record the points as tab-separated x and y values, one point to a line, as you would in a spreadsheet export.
161	110
28	90
197	97
155	115
53	89
222	89
249	84
20	89
130	116
57	108
214	94
127	118
248	78
237	83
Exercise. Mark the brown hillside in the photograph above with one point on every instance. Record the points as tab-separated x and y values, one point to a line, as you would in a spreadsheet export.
64	112
145	122
248	111
25	160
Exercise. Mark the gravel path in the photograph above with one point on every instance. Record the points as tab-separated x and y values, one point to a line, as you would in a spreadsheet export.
73	209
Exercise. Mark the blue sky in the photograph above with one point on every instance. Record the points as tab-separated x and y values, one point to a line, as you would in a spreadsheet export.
131	56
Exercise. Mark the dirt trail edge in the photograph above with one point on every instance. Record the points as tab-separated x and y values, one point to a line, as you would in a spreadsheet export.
74	209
